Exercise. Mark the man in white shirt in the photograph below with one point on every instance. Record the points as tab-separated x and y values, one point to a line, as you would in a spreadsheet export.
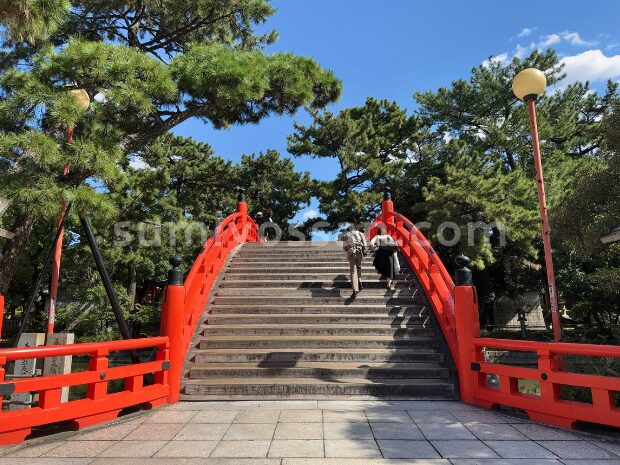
354	244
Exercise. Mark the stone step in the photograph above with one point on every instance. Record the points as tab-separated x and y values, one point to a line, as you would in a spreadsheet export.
293	245
305	388
303	277
294	272
277	261
304	342
336	330
316	319
341	308
277	266
320	370
286	253
306	300
295	356
343	282
318	292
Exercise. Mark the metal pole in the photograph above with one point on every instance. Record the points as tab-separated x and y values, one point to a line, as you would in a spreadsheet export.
542	204
51	313
105	278
37	286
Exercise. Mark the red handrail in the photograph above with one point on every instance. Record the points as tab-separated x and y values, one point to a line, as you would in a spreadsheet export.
184	304
456	309
98	405
548	406
431	273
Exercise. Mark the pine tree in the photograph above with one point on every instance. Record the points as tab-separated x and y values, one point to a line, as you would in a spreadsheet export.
147	67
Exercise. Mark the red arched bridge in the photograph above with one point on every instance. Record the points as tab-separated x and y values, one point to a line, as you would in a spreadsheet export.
255	320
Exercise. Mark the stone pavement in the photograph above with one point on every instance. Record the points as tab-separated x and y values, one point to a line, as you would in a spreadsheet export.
317	433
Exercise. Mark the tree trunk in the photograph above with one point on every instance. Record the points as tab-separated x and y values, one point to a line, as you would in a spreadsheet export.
13	249
131	291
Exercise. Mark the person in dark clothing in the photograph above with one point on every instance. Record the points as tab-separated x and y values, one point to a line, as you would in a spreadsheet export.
386	261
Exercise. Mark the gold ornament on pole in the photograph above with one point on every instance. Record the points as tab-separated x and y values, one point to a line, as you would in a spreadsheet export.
530	81
81	98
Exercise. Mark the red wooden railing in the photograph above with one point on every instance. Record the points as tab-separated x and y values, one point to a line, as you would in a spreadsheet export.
184	302
182	305
433	276
456	309
548	406
98	405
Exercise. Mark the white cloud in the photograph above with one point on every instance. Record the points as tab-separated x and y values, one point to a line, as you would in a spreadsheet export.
310	214
551	39
592	65
521	51
138	163
501	59
574	38
526	31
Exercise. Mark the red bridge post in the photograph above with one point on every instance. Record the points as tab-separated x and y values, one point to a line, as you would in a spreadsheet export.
387	208
242	207
172	323
467	328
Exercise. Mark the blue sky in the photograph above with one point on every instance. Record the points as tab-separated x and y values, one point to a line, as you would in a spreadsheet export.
392	48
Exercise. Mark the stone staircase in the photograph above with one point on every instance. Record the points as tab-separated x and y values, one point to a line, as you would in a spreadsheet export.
281	324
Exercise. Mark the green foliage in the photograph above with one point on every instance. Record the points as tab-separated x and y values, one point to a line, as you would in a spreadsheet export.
33	20
147	67
371	144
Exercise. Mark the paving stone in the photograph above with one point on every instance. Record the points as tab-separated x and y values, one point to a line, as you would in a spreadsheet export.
362	461
154	432
407	449
432	416
520	450
505	462
187	449
463	449
576	450
347	431
611	446
301	416
241	449
35	450
44	461
590	462
172	416
142	461
296	448
202	432
352	448
299	431
258	416
546	433
106	433
340	416
478	416
133	449
388	416
395	431
236	461
79	449
214	416
441	431
250	432
496	431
